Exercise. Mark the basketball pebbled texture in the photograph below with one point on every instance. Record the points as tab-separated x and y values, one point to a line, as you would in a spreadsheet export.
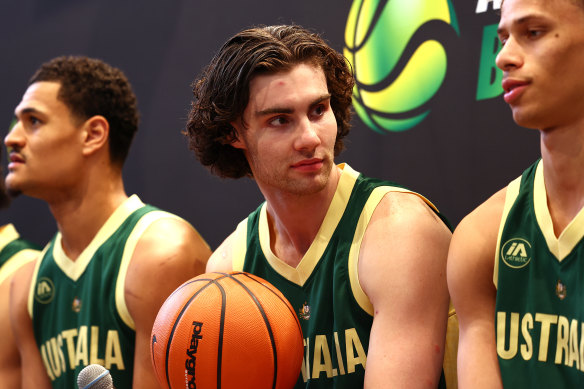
227	330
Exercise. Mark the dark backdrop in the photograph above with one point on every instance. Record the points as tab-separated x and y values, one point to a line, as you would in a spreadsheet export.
465	150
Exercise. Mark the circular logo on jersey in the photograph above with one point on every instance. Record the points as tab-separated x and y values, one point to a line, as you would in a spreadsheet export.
516	253
397	70
44	290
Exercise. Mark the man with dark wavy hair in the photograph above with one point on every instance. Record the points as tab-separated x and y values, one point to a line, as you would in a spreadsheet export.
96	291
361	260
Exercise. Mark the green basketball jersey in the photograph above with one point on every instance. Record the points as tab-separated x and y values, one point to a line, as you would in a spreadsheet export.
14	251
324	290
78	308
540	291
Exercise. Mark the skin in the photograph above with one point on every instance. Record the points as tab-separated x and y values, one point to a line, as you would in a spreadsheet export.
9	357
541	62
65	162
288	140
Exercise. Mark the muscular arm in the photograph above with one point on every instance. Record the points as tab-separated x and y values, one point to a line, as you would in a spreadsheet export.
169	253
470	279
34	374
402	269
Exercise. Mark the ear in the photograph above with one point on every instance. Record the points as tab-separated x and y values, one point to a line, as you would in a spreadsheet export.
95	134
235	140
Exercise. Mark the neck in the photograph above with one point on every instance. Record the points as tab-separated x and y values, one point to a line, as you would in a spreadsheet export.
562	151
294	220
82	210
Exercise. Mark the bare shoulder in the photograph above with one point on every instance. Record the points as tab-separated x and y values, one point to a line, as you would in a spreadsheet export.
171	241
222	258
405	239
479	228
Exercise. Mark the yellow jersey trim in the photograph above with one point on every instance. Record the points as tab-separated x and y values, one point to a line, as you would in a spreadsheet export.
300	274
9	234
563	245
131	243
34	279
239	247
510	197
74	269
372	202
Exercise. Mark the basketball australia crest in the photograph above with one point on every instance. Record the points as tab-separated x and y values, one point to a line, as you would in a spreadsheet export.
304	312
516	253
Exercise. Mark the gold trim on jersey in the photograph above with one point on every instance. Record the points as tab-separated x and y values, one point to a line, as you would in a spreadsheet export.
372	202
9	234
139	229
34	280
510	195
563	245
74	269
16	261
239	247
300	274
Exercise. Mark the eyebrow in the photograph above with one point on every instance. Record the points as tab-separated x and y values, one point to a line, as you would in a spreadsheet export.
28	110
521	20
273	110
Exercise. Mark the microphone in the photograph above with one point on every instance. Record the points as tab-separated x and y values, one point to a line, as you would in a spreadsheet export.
95	377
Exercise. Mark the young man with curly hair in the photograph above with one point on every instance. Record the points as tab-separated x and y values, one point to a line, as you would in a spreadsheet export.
361	260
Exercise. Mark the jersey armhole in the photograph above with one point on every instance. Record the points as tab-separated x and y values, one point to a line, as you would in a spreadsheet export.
510	196
239	246
34	279
141	226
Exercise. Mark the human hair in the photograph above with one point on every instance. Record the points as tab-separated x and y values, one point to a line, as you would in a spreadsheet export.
90	87
221	93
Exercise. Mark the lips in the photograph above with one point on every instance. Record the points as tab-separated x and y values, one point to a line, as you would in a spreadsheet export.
308	164
513	89
15	159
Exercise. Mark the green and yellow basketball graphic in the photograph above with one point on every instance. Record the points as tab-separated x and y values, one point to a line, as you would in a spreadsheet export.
394	81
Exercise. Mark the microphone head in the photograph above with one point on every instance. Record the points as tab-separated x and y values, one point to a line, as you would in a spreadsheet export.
95	377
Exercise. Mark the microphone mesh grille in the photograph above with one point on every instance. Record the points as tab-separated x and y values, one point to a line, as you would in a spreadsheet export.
90	373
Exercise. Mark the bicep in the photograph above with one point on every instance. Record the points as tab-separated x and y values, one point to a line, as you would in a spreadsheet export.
470	280
168	254
402	268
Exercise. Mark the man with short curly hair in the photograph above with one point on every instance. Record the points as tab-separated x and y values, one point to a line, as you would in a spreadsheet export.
361	260
94	295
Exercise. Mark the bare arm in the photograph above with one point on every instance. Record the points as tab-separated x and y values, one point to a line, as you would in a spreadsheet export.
470	279
169	253
402	269
34	374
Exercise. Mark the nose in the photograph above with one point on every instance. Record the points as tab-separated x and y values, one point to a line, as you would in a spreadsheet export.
308	136
14	138
510	56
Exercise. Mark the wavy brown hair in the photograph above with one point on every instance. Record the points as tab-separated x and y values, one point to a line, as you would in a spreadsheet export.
91	87
221	93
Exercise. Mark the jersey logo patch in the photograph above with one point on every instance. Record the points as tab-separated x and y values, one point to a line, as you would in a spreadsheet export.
304	312
44	291
516	253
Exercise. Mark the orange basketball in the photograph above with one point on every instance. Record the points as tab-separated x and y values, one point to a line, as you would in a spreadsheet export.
227	330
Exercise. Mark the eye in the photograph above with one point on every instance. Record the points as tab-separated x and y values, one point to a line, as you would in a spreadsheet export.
278	121
534	33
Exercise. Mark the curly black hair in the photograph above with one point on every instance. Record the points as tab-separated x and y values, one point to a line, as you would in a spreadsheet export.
91	87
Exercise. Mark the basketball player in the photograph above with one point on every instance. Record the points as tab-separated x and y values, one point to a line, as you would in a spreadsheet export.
362	261
14	252
95	293
516	262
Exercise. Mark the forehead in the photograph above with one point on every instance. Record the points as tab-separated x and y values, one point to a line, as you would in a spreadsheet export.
517	10
303	81
41	96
